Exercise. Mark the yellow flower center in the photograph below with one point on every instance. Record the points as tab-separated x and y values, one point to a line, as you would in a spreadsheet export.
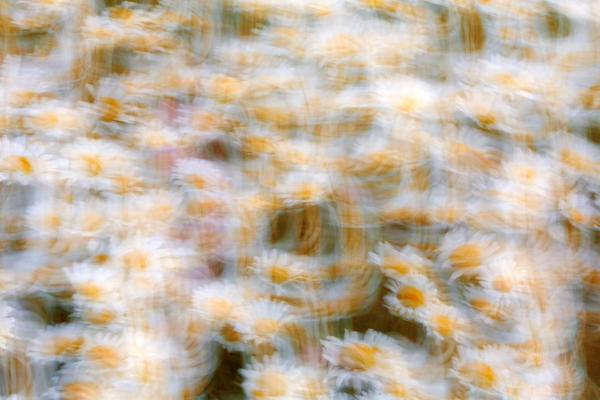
411	297
105	355
397	264
278	274
52	221
111	108
270	384
396	389
266	326
483	374
136	259
102	317
526	174
92	221
19	164
219	307
486	307
278	116
226	89
578	161
467	255
576	215
149	371
443	325
81	391
358	356
65	345
503	283
126	183
120	13
343	45
161	211
101	258
195	180
93	164
90	289
230	334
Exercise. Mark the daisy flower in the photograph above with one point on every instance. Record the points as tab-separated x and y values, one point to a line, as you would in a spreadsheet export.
274	378
151	212
406	95
148	357
58	343
48	217
104	352
25	161
361	361
490	371
444	322
397	263
281	270
94	163
90	219
495	310
263	323
463	256
577	156
140	253
195	174
411	297
57	121
301	188
219	301
534	171
94	283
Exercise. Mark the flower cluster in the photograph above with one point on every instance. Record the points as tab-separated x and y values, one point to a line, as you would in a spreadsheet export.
360	199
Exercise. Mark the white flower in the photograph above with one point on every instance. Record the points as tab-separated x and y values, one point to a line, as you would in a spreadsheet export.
26	161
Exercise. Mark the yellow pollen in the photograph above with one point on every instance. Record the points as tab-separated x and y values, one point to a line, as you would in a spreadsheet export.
343	45
503	283
111	108
230	334
219	307
52	221
576	215
149	371
19	164
411	297
397	264
396	389
101	318
162	211
136	259
101	258
486	307
358	356
578	161
93	164
81	391
90	289
92	221
66	345
444	325
195	180
483	373
270	384
266	326
105	355
278	274
226	89
467	255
